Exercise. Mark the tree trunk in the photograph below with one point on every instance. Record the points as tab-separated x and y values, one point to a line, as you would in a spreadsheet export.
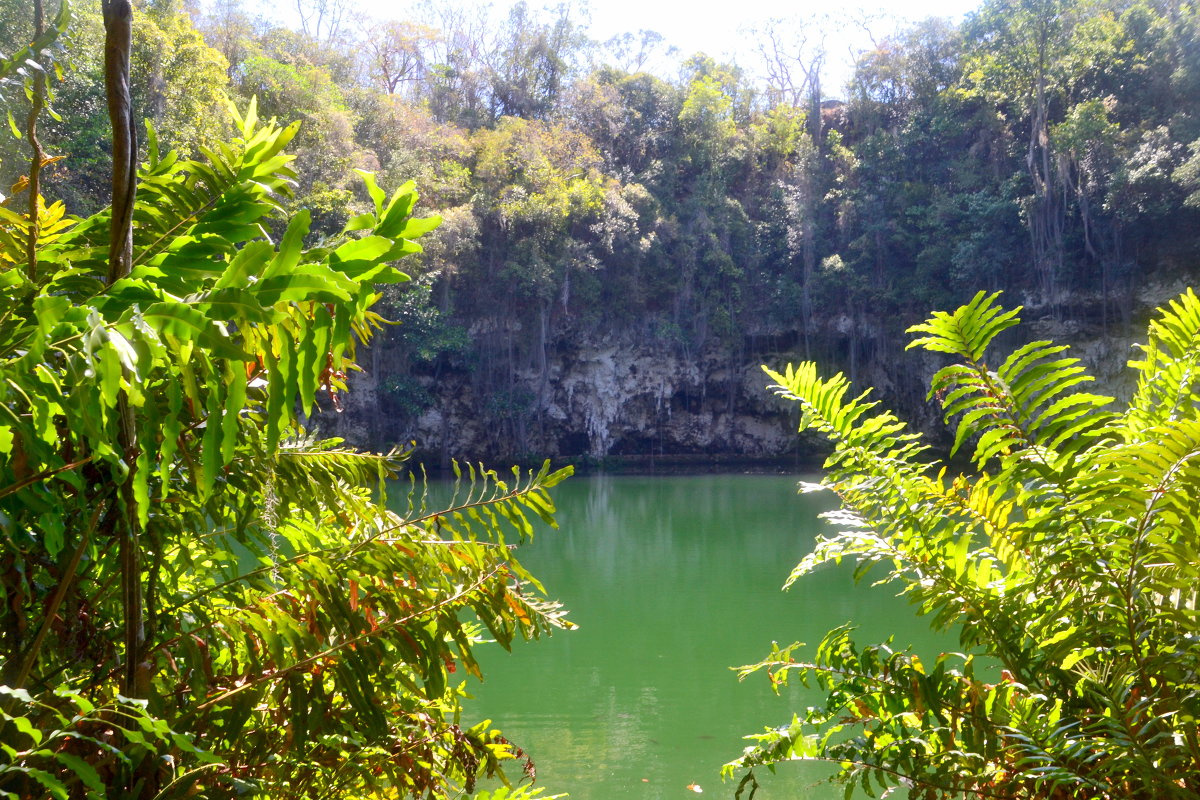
118	27
38	156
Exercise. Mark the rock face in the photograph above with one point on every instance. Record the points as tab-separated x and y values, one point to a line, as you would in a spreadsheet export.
618	395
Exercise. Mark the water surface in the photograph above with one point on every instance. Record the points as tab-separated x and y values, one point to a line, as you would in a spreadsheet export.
672	581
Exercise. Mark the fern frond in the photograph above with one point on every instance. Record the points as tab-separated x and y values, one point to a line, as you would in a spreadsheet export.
967	332
1150	489
1027	407
196	212
384	606
893	512
847	423
1169	369
1068	567
53	225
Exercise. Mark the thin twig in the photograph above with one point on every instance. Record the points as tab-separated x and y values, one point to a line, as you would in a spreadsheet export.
60	593
41	476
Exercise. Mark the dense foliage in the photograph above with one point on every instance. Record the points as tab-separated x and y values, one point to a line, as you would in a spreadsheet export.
1047	148
1067	564
202	598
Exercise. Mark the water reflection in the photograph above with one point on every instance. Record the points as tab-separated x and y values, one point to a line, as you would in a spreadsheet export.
672	580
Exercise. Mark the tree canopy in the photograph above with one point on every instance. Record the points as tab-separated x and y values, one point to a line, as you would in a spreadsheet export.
1042	148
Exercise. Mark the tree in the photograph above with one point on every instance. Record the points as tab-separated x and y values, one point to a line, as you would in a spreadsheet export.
1023	59
180	86
202	597
793	54
1067	564
531	61
905	73
322	19
632	52
232	30
177	82
458	80
539	190
397	52
404	142
1046	61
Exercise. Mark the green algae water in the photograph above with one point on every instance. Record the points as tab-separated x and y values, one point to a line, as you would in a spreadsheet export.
672	581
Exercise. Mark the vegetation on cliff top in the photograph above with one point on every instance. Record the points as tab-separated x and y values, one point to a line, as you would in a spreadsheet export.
1045	148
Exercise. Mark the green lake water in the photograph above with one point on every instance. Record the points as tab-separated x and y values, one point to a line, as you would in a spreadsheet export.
673	580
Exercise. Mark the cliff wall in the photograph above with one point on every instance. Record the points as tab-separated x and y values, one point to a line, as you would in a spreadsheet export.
617	394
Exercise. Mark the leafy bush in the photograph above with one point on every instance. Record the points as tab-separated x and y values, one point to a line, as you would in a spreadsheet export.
201	598
1068	564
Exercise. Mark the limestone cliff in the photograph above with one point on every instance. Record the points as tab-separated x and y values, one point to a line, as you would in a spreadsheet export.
618	394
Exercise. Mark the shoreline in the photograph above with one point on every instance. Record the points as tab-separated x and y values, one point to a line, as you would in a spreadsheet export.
681	464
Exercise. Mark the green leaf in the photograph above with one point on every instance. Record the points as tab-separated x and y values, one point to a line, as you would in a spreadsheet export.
85	772
1075	656
247	265
395	216
187	323
49	782
306	282
251	119
419	227
24	726
49	311
212	454
241	306
369	249
377	195
291	247
362	222
235	400
20	695
180	320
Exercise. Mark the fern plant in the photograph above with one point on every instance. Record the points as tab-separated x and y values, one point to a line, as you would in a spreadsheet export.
1067	563
201	597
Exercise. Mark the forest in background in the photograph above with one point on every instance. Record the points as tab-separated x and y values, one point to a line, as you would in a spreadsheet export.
1050	148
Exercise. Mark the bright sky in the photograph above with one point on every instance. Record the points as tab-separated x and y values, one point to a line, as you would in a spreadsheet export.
722	28
717	27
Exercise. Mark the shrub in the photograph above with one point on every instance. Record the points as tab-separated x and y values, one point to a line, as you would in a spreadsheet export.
1067	562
